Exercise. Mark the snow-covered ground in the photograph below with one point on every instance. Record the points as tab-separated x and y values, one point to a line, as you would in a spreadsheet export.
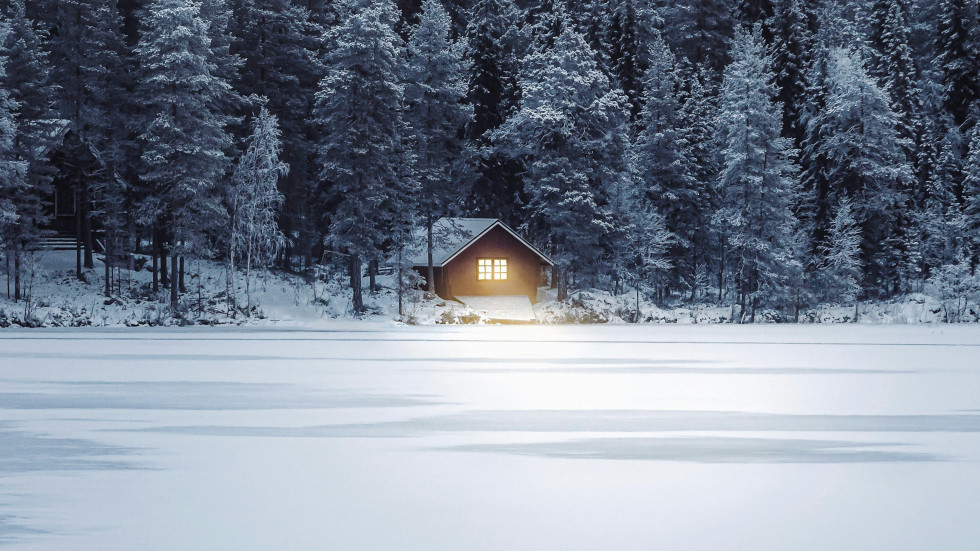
374	437
280	300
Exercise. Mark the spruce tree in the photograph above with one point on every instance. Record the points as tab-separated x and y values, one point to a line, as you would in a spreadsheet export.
838	274
893	65
570	132
959	56
184	141
281	42
865	162
13	171
971	186
699	112
759	179
33	92
90	64
434	93
663	166
492	51
359	113
792	44
700	31
630	28
944	223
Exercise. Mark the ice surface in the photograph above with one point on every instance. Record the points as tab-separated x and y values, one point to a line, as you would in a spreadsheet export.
374	437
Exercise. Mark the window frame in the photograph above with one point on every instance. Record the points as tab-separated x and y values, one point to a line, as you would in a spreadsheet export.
493	260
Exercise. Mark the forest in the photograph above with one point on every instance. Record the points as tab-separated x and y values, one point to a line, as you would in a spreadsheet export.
772	154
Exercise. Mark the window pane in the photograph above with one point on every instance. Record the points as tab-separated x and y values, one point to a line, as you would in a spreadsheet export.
491	269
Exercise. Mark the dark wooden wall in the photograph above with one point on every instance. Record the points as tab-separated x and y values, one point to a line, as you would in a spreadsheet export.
523	267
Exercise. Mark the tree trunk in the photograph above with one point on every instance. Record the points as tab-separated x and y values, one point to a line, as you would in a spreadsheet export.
562	284
721	272
741	304
78	236
183	289
164	274
16	275
430	271
400	282
108	270
156	267
200	292
230	282
355	283
89	261
694	274
373	273
173	284
638	315
248	279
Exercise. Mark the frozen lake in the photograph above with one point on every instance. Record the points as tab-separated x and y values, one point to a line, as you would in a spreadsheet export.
372	437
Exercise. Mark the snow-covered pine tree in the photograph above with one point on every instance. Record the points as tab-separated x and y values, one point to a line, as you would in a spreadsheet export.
758	182
944	223
700	31
814	210
971	186
792	44
492	51
893	66
838	274
109	76
864	162
90	65
543	22
699	112
255	203
13	171
32	90
663	166
639	238
959	56
281	43
227	63
359	112
752	12
843	25
434	93
570	132
628	36
184	141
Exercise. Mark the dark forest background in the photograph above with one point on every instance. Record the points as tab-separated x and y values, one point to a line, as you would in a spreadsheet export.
767	153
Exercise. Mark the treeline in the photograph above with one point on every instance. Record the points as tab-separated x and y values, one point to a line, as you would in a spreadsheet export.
770	153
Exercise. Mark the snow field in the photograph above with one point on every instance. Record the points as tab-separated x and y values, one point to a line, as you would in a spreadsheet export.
374	437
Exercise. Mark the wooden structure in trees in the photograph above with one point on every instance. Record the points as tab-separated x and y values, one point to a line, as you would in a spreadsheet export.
482	257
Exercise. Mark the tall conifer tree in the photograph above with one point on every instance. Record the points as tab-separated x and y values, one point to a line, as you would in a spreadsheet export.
359	111
184	141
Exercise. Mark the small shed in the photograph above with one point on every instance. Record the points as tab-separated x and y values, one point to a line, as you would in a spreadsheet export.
482	257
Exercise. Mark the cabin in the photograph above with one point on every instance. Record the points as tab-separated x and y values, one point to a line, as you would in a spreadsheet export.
479	257
70	221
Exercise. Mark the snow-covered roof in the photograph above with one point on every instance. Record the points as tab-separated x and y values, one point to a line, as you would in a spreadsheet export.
452	236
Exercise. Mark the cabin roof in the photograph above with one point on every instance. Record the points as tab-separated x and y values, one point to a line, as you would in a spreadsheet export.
451	236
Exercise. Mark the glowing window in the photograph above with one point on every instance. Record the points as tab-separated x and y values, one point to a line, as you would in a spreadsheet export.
491	268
